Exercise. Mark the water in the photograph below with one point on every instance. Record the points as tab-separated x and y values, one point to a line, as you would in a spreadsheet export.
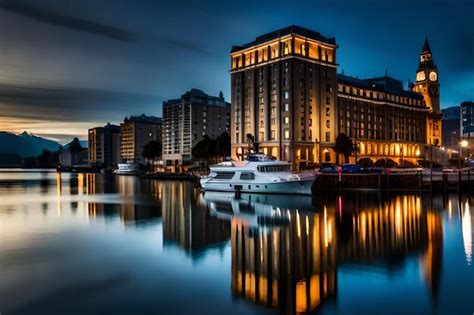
105	244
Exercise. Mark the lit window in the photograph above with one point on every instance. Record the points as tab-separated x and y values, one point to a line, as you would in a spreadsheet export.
286	120
287	107
287	134
286	95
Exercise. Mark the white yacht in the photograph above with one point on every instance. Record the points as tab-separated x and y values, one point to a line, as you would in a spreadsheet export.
258	174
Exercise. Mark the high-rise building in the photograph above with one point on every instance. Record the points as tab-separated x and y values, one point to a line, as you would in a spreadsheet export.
188	119
427	84
451	126
286	93
467	119
104	145
135	133
283	87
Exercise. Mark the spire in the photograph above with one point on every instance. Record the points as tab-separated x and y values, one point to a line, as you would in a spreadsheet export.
426	47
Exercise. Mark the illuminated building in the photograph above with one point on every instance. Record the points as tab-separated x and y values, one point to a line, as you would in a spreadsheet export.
382	118
286	92
135	133
104	145
427	83
188	119
283	88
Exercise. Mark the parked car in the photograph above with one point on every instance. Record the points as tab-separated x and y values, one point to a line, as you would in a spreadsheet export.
373	169
327	168
350	168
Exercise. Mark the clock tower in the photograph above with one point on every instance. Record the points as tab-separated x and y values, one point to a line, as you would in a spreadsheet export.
427	84
427	78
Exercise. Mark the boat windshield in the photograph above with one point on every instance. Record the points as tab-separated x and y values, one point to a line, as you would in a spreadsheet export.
274	168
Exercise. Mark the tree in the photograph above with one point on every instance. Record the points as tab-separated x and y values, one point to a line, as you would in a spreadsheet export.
344	146
152	150
223	145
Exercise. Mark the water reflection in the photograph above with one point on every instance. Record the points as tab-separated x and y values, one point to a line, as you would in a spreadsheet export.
287	256
327	254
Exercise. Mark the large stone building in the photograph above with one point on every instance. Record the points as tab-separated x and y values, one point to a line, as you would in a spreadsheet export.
381	118
285	92
188	119
135	133
104	145
283	88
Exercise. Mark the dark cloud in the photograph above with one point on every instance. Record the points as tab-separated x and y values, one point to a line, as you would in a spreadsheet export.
48	104
40	14
186	45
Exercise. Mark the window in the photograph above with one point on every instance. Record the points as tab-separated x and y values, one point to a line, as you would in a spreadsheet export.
287	107
328	124
286	95
224	175
328	100
328	136
286	134
286	120
273	135
328	111
247	176
274	168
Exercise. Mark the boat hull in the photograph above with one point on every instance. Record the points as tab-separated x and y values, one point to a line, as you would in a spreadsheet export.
300	187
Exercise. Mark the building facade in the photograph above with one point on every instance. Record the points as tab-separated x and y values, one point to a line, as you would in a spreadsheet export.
188	119
451	126
135	133
104	145
287	94
283	88
381	118
467	119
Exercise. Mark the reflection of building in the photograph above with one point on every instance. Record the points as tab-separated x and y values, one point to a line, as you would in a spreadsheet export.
137	201
104	145
293	269
283	88
286	92
188	119
135	133
187	222
451	126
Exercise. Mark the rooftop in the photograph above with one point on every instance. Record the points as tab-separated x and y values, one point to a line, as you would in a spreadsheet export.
292	29
382	84
143	119
200	97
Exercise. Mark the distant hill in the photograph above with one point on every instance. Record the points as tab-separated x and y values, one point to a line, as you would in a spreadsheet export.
25	144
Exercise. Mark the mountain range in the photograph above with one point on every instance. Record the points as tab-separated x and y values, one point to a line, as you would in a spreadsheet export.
25	144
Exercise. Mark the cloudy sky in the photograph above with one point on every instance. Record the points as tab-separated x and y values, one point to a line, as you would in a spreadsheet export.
68	65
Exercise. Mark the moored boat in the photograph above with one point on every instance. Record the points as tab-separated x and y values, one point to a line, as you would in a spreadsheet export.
258	174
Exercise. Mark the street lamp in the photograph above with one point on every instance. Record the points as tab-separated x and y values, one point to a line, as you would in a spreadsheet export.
462	144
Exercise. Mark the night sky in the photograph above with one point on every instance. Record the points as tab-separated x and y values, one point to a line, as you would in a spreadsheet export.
66	66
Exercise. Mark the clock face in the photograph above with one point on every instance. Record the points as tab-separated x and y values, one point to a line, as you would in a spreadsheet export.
433	76
420	76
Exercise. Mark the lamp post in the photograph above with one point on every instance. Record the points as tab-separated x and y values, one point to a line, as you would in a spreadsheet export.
462	144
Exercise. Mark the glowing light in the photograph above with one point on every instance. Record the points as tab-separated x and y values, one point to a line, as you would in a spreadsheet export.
467	233
463	143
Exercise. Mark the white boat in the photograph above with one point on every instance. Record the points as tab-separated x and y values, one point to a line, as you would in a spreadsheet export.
127	169
258	174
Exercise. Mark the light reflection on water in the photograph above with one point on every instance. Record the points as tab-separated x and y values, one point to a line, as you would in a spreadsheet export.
93	243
